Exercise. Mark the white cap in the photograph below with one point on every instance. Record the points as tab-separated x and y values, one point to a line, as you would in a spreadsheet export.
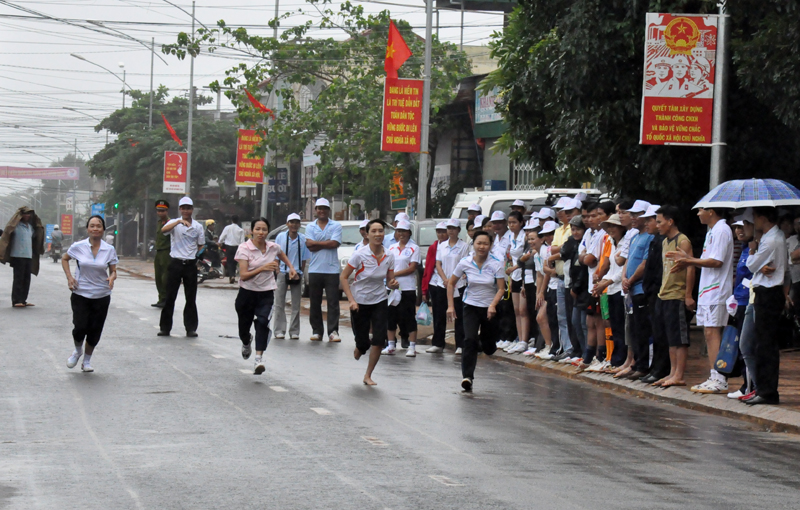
652	211
401	216
453	222
293	216
186	201
562	203
322	202
581	196
639	206
403	225
747	215
55	228
478	222
578	203
549	227
571	204
474	207
738	223
498	216
518	203
544	213
363	224
442	225
532	224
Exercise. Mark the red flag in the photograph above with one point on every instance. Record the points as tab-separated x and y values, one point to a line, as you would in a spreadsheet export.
172	131
397	51
258	105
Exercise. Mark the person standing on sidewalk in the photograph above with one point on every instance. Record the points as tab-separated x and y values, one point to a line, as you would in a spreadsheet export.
186	238
293	245
651	285
323	237
162	260
230	239
448	254
430	276
406	255
258	262
91	289
21	246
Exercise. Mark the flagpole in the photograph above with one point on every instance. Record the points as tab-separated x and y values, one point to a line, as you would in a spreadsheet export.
191	107
424	156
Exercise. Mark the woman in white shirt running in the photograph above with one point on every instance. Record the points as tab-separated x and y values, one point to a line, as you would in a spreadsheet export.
369	304
91	289
486	285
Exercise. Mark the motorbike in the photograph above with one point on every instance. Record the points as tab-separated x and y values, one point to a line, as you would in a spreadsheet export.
55	252
209	263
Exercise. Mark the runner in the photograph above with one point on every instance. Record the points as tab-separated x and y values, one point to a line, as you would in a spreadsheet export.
258	262
485	288
91	289
369	304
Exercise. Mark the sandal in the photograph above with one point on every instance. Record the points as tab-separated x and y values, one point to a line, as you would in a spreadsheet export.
19	305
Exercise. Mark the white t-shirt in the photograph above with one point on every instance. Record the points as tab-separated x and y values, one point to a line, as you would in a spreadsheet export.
716	284
530	276
368	284
516	247
595	248
500	246
544	253
481	282
92	271
404	258
450	256
185	240
625	243
615	270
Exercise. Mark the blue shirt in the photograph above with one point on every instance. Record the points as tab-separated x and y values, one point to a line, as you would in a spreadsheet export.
22	243
291	251
740	292
324	261
637	253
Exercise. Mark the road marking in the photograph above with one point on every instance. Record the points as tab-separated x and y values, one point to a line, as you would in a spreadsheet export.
279	389
446	481
244	371
157	327
218	356
374	441
143	319
321	410
132	311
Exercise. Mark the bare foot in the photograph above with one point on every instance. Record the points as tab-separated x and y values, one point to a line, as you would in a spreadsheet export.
369	382
673	382
357	354
622	373
660	381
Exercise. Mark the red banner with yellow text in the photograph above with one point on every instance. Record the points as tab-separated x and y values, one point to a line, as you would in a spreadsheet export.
678	90
249	170
402	115
66	224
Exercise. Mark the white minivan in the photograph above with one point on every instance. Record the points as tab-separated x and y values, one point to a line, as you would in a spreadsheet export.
491	201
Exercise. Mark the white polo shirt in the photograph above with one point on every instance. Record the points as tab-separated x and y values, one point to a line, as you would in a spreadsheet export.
595	248
481	281
92	271
185	240
402	259
544	253
450	256
500	246
516	247
716	283
368	284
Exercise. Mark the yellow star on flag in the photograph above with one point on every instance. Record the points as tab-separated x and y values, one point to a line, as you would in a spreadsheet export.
390	51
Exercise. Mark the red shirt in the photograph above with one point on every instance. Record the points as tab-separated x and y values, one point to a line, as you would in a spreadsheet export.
430	267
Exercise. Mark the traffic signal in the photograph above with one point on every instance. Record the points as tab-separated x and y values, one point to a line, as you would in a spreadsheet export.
116	206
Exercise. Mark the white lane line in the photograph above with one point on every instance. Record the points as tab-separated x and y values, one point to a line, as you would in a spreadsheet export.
245	371
279	389
321	410
218	356
446	481
143	319
132	311
374	441
157	327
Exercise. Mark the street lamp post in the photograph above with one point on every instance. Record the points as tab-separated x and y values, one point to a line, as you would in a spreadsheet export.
115	75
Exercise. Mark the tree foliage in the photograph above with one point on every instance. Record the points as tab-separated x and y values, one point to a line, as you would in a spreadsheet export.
347	75
570	74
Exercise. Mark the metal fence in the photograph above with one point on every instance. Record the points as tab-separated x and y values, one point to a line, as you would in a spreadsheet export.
525	176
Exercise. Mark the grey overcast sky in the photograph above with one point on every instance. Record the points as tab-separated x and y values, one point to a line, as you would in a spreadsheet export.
39	79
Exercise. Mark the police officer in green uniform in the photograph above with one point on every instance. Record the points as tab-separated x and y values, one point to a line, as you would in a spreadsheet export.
162	252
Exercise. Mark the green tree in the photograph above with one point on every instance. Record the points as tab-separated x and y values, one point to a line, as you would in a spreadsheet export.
345	117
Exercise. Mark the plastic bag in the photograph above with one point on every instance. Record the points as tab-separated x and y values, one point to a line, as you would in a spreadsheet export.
394	297
424	315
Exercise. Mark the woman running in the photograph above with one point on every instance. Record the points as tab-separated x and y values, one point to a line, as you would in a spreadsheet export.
406	259
258	262
484	290
91	289
448	255
369	304
516	249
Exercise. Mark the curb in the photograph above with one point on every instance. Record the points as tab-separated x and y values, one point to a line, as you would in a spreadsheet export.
770	418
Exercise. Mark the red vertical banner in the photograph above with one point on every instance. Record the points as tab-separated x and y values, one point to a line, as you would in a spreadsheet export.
249	169
678	89
175	172
402	115
66	224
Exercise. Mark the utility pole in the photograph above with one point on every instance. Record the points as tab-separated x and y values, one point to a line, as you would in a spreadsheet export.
124	73
152	57
424	156
191	107
719	147
150	124
75	189
267	160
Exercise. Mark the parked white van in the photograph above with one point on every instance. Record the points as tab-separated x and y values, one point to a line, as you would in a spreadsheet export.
491	201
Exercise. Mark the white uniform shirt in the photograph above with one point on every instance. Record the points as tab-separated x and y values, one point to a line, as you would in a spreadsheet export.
500	246
450	256
625	243
614	270
92	271
232	235
595	249
402	259
544	253
771	252
530	275
516	247
368	287
481	282
716	283
185	240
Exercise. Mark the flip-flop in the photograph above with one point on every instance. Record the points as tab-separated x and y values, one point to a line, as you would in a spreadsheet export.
19	305
29	304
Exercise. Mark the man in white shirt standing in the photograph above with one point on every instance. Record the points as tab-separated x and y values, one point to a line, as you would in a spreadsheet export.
716	286
232	236
293	244
323	237
186	237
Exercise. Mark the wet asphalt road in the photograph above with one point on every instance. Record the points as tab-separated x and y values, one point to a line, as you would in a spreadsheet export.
175	423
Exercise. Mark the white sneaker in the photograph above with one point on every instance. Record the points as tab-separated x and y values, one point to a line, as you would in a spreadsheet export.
259	367
388	351
566	360
530	352
544	352
86	366
434	349
280	336
519	348
504	344
711	386
458	351
466	384
510	347
73	360
499	344
736	394
295	337
315	337
594	366
411	352
604	366
334	337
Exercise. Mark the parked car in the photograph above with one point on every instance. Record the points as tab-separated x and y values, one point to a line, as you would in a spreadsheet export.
491	201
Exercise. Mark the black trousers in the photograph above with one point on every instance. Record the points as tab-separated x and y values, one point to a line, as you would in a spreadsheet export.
439	298
507	318
660	367
616	311
480	334
230	261
254	306
370	316
551	298
88	318
22	280
769	305
181	271
530	301
318	282
641	333
404	314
